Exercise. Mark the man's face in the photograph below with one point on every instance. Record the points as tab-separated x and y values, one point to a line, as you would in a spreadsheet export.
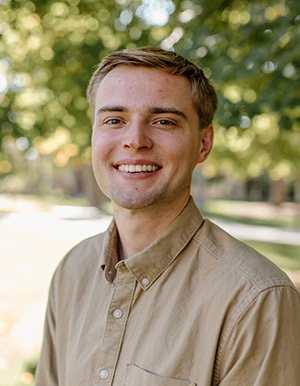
146	138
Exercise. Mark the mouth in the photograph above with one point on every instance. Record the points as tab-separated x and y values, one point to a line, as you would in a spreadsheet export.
132	168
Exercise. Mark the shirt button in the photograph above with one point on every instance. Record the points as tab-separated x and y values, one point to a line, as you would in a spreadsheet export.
145	281
104	374
118	313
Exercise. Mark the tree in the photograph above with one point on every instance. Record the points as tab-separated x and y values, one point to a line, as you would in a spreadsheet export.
250	49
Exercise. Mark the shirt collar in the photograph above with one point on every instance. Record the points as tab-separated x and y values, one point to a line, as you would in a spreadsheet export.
150	263
109	256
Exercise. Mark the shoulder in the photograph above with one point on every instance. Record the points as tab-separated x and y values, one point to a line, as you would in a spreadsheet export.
237	261
83	259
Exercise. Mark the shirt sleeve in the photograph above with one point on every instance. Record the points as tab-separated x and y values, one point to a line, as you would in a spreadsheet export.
47	374
263	347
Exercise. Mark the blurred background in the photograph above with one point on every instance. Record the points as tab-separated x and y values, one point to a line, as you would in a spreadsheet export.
49	200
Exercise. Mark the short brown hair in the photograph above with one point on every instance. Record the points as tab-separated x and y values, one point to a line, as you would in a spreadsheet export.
202	92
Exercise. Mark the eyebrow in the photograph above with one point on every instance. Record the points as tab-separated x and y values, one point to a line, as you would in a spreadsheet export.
153	110
111	108
168	110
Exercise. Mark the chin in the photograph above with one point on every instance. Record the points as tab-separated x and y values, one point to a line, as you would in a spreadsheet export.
130	204
130	201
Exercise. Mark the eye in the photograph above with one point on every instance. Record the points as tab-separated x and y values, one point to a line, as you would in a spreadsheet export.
164	122
112	121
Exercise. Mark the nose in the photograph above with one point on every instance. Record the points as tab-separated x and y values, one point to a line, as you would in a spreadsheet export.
137	136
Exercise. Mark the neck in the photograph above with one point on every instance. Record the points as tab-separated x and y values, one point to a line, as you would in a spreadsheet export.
138	228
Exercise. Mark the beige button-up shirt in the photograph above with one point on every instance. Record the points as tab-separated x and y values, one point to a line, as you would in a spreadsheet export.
197	307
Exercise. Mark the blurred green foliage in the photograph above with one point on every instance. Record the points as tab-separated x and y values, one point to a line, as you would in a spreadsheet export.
250	50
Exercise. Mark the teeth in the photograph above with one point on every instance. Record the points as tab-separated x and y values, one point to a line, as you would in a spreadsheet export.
137	168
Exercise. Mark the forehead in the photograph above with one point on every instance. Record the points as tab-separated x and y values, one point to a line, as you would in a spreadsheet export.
144	85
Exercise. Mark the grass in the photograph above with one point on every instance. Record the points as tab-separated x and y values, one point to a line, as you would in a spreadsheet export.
17	374
286	256
253	213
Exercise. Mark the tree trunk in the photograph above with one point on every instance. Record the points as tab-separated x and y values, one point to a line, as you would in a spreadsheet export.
278	191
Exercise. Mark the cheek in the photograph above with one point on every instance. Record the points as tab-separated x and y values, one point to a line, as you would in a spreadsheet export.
100	156
180	148
185	155
101	147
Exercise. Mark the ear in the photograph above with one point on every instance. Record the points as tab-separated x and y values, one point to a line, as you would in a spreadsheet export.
207	137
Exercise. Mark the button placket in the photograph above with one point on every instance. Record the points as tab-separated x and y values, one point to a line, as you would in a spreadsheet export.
118	313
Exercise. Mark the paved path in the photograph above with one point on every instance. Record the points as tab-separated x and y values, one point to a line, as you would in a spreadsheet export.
97	222
260	233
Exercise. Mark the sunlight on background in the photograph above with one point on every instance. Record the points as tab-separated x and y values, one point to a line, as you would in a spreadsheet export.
249	50
156	12
32	244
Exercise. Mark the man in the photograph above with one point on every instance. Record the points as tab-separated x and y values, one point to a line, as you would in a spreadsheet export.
163	297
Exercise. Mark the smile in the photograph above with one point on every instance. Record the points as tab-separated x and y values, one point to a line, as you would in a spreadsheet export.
137	168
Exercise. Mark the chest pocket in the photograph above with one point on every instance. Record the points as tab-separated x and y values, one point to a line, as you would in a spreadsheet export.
137	376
